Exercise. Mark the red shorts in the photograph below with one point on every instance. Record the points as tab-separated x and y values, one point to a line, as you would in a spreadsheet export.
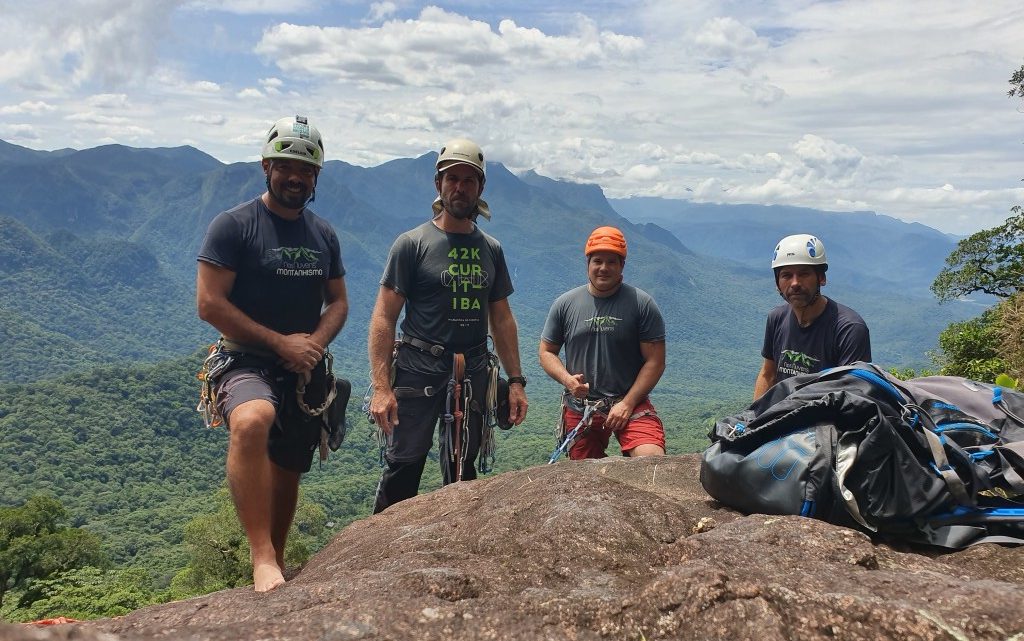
646	429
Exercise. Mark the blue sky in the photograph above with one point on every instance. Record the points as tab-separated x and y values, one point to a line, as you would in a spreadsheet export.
894	107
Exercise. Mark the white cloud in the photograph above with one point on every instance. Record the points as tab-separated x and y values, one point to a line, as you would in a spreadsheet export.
380	11
763	93
108	101
202	86
207	119
727	42
35	108
438	49
125	134
249	92
272	86
19	133
255	7
643	172
103	41
93	118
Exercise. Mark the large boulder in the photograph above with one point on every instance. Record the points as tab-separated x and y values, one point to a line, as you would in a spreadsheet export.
608	549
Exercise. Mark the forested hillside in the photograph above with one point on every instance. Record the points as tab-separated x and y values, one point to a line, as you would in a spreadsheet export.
125	452
68	303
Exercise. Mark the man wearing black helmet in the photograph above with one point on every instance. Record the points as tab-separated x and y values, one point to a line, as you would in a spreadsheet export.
809	333
272	282
452	281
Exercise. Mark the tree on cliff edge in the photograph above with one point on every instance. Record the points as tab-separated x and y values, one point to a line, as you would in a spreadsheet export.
35	544
990	261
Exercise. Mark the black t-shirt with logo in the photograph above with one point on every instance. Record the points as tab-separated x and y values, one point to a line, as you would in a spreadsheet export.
281	266
838	337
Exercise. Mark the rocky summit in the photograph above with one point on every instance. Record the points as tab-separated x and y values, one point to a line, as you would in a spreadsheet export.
607	549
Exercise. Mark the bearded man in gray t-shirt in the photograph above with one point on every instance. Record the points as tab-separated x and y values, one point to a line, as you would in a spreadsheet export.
614	338
453	283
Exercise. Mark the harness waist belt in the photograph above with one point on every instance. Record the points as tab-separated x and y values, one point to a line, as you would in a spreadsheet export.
604	404
234	346
440	350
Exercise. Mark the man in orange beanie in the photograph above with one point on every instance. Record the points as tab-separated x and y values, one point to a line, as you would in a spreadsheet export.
614	338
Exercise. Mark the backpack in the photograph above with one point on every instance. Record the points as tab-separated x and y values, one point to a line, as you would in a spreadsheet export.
936	460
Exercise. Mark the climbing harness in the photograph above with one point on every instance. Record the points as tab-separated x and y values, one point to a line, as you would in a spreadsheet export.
588	407
570	437
226	354
222	356
459	401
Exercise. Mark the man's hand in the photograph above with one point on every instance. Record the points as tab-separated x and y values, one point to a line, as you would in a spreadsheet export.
618	416
384	408
577	386
298	352
516	404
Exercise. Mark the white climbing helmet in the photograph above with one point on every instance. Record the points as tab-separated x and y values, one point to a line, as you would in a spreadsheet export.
461	151
294	139
800	249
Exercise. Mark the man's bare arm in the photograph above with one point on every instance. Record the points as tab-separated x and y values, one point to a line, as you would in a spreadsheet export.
765	378
506	342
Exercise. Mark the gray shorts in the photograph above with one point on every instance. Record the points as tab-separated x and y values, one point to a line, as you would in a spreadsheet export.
293	439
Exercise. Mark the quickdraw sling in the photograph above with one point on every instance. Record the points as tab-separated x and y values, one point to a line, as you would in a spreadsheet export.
588	408
566	439
215	364
456	429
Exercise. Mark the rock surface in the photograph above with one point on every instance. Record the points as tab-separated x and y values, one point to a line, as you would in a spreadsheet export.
609	549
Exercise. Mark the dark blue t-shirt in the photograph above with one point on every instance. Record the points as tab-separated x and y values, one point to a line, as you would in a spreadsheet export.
838	337
281	266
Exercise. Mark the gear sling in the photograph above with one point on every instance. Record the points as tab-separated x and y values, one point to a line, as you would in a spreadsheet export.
459	400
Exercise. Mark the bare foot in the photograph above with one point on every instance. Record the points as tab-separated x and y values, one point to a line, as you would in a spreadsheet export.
266	577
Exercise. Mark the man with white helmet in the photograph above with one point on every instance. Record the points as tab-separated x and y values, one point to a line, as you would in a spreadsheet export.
453	283
271	280
809	333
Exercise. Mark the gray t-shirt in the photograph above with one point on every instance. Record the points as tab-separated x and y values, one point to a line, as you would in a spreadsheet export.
602	336
838	337
447	280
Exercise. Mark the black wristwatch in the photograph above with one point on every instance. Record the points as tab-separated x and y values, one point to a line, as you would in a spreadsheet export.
517	379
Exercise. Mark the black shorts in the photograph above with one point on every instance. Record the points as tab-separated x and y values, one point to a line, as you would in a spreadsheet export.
293	437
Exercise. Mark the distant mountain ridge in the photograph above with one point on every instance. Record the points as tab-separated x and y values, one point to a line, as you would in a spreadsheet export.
868	250
707	269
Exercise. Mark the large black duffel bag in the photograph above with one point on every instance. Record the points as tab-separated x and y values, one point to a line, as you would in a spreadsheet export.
937	460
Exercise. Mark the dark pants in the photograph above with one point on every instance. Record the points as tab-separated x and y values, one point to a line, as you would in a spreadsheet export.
410	442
